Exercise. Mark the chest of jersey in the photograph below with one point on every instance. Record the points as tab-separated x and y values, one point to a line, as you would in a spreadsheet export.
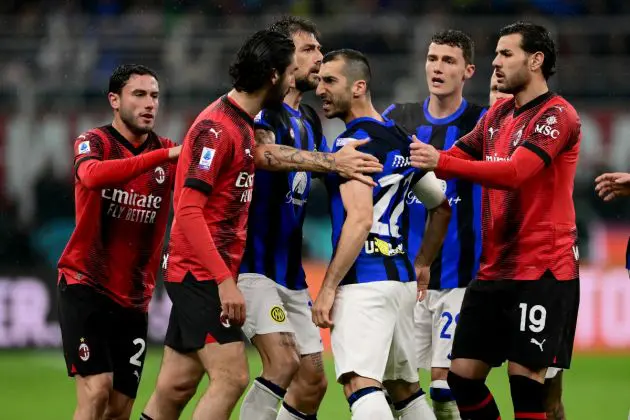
141	200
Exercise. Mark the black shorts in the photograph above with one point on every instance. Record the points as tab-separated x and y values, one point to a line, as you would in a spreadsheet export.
100	336
528	322
196	316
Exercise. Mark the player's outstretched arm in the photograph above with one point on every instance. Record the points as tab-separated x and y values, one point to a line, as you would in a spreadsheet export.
612	185
358	202
429	192
96	174
348	162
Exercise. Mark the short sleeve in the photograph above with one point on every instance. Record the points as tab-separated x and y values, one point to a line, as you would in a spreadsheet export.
211	148
556	129
472	143
88	146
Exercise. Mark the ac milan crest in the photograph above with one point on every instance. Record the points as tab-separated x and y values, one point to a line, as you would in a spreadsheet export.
84	351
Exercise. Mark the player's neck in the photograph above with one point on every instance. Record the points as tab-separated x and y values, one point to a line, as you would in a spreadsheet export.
443	106
362	110
293	98
131	137
531	92
250	102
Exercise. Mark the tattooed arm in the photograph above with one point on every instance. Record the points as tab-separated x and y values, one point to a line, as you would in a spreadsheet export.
348	162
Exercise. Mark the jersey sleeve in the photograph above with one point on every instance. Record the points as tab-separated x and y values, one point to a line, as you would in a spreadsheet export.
555	130
267	120
88	146
472	143
211	148
371	148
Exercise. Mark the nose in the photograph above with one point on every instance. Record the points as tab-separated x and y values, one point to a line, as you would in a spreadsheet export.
319	57
319	91
496	63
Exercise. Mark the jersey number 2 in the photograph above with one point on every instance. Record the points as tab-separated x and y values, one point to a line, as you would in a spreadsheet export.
392	183
135	359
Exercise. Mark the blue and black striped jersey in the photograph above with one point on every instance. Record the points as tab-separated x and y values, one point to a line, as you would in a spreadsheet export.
276	215
458	260
384	254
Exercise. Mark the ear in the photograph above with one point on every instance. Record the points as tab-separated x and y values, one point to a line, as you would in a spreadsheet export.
359	88
536	61
469	71
114	100
275	76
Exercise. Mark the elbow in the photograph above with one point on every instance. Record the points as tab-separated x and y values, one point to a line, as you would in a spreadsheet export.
264	158
362	222
90	183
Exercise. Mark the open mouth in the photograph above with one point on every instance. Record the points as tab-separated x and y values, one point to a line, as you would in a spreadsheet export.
326	104
147	116
437	81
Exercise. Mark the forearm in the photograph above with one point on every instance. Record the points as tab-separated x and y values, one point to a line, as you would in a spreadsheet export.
275	157
454	152
506	174
352	239
95	174
433	238
193	225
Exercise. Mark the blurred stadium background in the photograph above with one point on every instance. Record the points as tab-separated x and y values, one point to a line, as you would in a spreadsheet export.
55	60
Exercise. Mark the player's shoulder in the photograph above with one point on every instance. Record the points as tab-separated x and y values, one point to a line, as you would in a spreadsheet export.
94	134
475	110
310	115
560	105
403	109
165	142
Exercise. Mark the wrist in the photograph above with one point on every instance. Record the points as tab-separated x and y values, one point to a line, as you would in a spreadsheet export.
223	278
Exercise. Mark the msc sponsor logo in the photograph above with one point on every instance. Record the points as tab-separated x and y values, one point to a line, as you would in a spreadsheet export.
547	130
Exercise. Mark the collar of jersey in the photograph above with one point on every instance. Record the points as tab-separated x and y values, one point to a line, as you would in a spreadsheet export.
386	123
446	120
295	112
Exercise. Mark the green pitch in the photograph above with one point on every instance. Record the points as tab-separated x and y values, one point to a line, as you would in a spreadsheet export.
33	385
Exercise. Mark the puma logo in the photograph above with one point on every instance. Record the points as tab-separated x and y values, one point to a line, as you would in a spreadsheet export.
215	132
137	375
539	344
492	131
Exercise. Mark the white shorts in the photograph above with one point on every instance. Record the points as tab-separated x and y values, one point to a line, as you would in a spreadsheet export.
435	319
272	308
372	334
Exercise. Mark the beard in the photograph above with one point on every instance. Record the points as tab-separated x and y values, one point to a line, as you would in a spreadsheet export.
516	83
128	119
275	96
338	108
304	84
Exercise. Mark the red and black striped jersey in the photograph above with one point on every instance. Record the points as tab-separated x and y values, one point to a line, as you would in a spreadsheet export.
122	211
529	156
213	191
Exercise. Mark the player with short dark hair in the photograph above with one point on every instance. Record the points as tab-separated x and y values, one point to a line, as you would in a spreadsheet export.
522	307
370	280
124	175
440	120
554	375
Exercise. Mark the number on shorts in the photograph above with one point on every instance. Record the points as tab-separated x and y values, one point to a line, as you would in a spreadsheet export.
135	359
537	317
449	320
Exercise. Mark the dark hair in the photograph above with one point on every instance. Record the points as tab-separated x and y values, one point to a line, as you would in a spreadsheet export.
357	65
263	53
535	38
122	73
458	39
290	25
